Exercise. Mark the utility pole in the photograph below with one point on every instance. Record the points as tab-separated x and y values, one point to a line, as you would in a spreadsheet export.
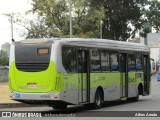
70	12
145	41
147	26
101	22
10	19
12	29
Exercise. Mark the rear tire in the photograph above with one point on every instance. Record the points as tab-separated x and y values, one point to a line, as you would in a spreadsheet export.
98	99
140	89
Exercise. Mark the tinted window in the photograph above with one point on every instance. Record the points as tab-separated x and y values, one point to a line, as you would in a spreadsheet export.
139	62
105	60
131	63
28	59
95	60
26	53
114	62
69	59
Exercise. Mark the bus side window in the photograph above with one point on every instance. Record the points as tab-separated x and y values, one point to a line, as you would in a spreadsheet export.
131	63
69	59
139	62
114	61
105	60
95	61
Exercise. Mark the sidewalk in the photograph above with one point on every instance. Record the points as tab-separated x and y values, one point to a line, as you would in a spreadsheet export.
4	93
5	101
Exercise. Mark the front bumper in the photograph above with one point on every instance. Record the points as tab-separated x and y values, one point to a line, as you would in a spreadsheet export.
35	96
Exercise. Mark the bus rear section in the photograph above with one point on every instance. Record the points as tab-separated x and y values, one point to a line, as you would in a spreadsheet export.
33	75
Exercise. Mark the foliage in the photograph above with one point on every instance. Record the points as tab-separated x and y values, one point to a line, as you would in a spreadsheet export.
121	19
85	19
34	27
54	13
52	19
4	59
153	14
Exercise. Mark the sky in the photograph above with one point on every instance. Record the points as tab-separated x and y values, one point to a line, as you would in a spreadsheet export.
11	6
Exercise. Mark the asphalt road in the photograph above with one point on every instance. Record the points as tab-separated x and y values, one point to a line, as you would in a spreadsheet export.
148	107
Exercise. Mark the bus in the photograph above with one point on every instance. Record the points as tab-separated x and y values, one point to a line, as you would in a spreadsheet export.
77	71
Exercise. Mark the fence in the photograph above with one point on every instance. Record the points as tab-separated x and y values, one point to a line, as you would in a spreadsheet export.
4	74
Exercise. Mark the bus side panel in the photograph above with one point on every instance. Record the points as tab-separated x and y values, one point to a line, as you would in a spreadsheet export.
96	80
113	89
134	79
110	83
71	88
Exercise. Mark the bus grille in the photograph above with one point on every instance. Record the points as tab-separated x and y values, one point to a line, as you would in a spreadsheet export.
32	67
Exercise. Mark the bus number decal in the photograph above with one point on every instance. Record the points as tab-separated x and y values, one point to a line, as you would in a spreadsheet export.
131	80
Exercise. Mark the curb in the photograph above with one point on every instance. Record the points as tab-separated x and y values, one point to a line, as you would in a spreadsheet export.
17	105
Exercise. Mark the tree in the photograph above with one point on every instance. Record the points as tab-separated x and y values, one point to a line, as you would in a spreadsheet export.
4	59
53	19
34	27
55	13
85	19
121	19
120	16
151	17
152	14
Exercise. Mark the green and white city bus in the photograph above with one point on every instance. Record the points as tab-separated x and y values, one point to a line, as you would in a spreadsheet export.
76	71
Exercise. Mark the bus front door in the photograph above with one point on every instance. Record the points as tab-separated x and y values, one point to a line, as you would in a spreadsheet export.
124	76
83	76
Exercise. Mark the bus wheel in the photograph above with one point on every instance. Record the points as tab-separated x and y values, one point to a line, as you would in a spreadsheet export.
60	107
98	99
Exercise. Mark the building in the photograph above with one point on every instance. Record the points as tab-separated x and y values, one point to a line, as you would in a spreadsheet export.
154	45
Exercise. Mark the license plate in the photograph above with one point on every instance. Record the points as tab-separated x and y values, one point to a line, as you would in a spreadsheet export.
32	85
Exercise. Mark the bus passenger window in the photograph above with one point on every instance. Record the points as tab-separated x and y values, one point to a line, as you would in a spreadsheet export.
114	62
139	62
69	59
95	61
131	63
105	61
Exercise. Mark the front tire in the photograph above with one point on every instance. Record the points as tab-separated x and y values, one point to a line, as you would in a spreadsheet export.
98	99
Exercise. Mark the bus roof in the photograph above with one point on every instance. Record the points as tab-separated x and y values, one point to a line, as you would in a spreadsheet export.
105	43
86	42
